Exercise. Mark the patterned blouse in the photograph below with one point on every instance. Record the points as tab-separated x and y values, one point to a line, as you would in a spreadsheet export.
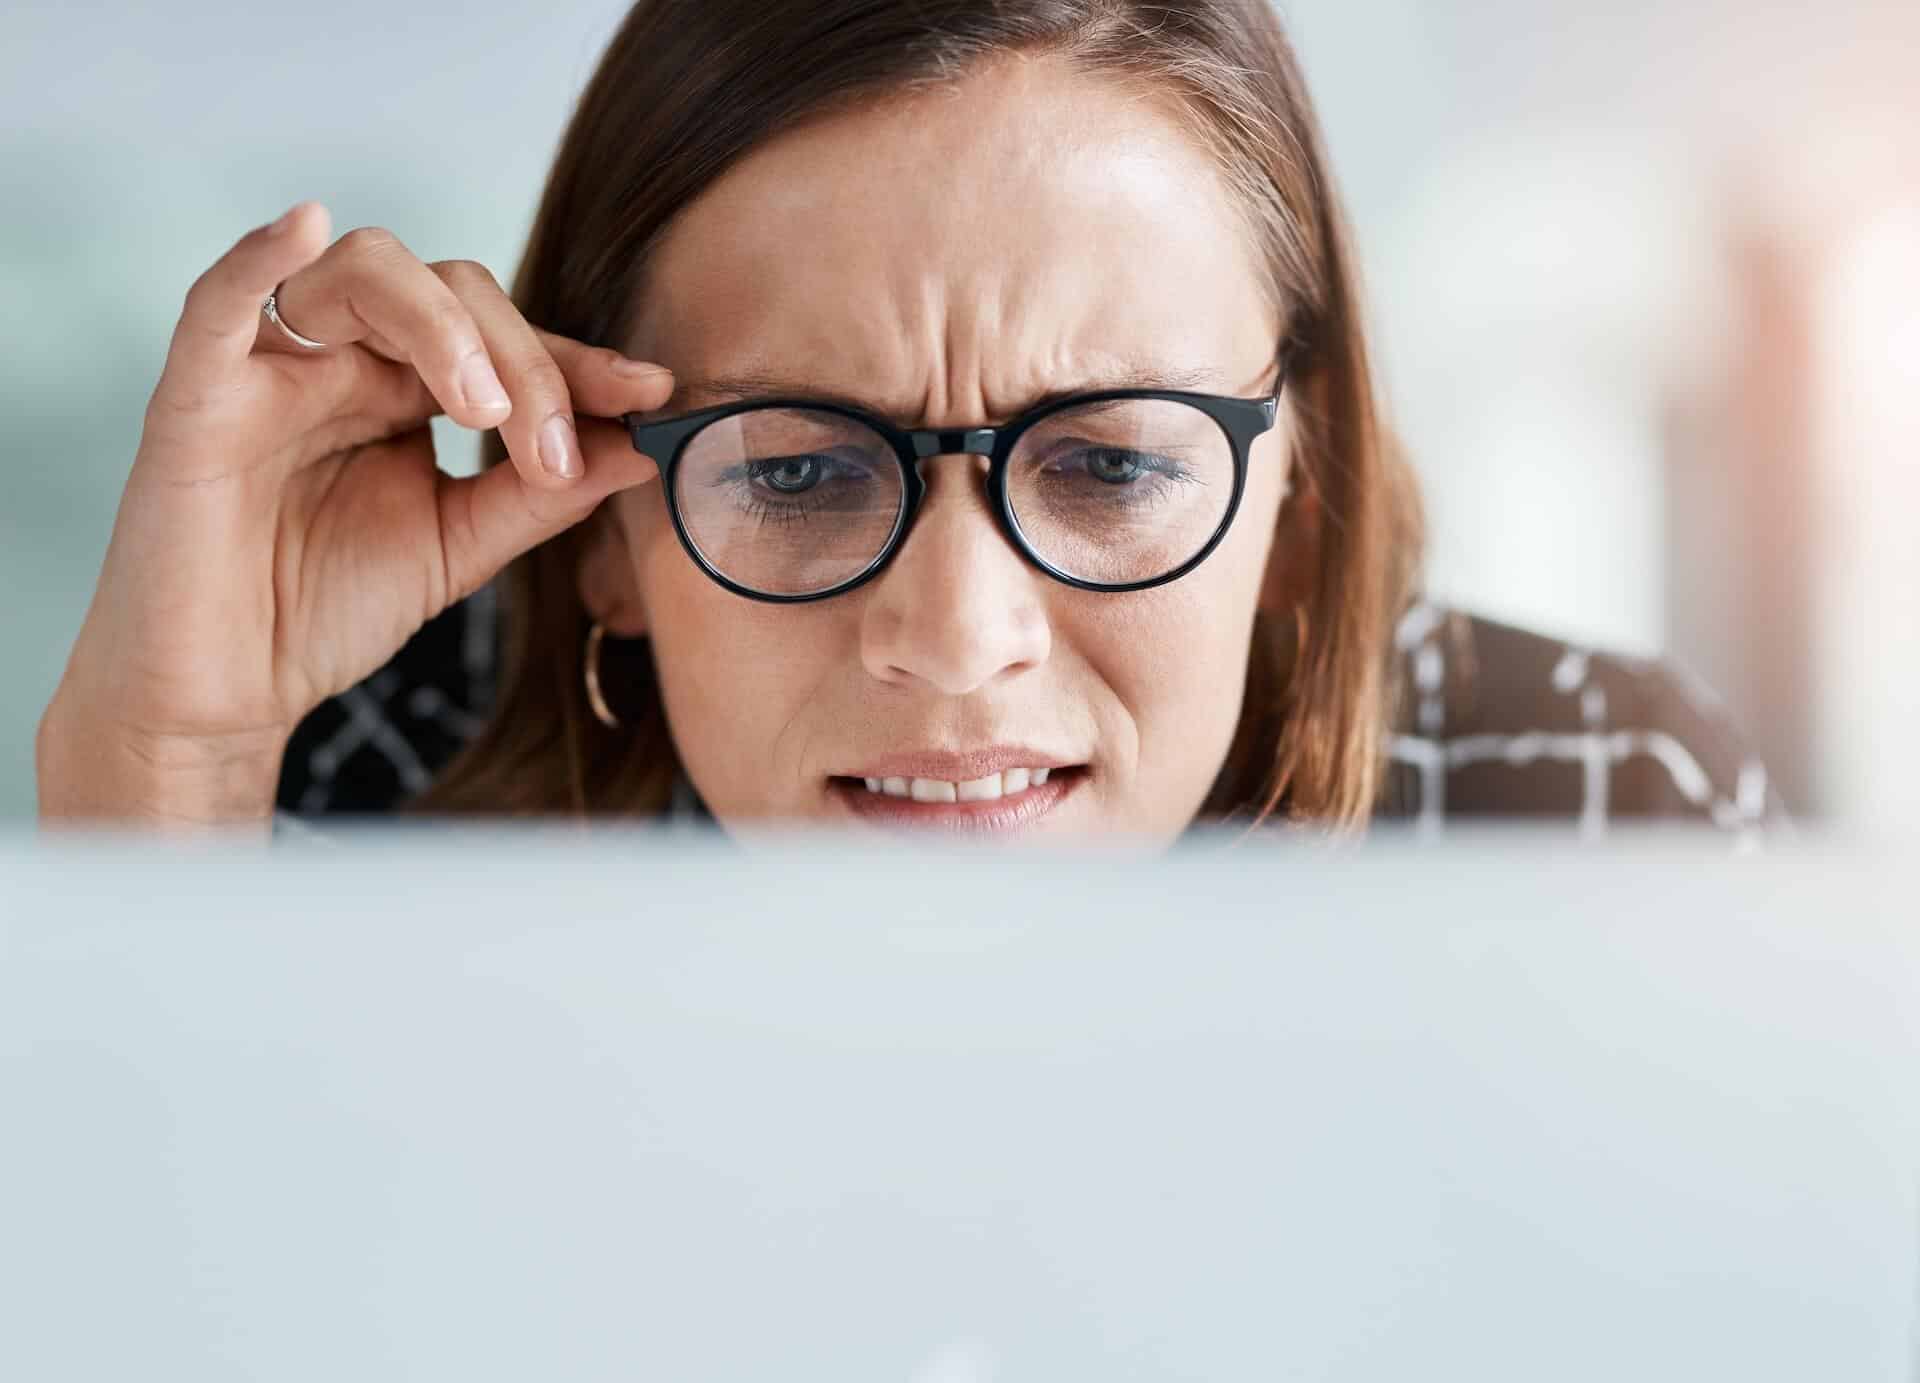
1497	722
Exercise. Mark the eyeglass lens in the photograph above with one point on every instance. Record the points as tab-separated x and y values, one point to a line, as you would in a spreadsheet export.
797	501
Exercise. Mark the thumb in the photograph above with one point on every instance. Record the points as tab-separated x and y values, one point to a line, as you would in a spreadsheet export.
489	519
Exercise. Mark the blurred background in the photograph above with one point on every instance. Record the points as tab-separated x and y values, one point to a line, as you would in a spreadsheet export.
1644	280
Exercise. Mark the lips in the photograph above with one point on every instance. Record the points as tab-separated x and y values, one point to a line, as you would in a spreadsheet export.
987	789
950	767
926	805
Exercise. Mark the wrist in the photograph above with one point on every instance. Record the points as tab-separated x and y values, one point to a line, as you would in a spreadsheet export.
91	768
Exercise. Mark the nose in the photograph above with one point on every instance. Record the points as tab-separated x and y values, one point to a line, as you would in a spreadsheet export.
957	607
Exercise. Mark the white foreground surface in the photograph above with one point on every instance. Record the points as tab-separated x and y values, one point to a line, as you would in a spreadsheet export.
644	1107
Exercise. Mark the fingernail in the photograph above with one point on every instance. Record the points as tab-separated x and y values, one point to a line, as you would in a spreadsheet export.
480	385
559	449
286	219
638	369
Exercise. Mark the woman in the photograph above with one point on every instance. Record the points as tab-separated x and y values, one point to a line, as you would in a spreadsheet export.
943	415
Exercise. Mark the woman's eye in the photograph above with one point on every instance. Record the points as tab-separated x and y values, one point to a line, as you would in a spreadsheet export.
1115	467
790	475
792	487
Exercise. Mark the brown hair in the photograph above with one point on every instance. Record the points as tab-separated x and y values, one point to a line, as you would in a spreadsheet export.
688	86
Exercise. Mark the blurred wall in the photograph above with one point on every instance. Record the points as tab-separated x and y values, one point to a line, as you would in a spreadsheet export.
1533	184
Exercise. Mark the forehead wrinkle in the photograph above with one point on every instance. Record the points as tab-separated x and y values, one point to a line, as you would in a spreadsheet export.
761	382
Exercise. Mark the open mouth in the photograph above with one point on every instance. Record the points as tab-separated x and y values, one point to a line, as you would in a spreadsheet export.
999	801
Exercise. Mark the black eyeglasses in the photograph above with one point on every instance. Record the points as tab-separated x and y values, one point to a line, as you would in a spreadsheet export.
789	500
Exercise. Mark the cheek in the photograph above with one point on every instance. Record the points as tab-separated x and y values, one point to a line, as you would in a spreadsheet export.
1178	641
1174	659
1179	652
736	676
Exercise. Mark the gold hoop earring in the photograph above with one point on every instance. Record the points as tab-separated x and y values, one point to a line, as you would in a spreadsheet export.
595	698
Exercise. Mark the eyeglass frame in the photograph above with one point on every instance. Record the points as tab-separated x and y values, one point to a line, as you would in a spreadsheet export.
1242	420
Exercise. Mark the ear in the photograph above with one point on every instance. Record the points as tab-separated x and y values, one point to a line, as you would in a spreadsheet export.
606	577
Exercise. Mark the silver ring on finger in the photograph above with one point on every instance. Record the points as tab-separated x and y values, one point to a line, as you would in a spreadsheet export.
273	312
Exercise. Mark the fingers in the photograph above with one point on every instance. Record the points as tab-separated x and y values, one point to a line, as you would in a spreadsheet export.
469	344
549	378
489	519
441	337
606	384
222	314
369	289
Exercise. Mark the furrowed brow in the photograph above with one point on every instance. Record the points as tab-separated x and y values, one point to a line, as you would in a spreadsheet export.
739	386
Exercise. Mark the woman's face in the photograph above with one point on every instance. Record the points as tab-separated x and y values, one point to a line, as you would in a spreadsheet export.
947	260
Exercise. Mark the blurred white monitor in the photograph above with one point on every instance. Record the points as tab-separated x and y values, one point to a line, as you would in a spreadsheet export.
643	1106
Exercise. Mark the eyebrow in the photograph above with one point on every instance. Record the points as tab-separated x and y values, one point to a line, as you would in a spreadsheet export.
739	386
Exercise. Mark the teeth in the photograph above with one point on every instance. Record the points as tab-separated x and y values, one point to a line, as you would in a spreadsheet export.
986	789
980	789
